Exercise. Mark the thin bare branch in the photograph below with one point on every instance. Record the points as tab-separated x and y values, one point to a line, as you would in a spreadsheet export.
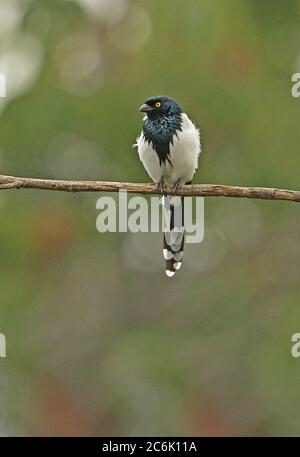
202	190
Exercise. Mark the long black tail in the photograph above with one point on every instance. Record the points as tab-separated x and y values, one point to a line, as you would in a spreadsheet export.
173	242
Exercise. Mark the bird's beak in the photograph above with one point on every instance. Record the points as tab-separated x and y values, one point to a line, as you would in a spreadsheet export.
145	108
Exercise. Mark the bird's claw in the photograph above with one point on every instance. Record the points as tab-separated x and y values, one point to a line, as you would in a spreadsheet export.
160	185
176	185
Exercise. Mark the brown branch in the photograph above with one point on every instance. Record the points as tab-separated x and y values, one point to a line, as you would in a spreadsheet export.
203	190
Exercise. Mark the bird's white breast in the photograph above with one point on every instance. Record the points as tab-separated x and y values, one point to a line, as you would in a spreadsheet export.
149	158
184	153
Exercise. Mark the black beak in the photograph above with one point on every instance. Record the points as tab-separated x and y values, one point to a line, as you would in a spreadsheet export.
145	108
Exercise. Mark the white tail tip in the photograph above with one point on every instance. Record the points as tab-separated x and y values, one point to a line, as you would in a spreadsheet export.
168	255
170	273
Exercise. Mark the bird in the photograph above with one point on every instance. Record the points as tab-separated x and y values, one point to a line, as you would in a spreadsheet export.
169	147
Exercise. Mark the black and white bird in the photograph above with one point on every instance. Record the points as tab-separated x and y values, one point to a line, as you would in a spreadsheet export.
169	147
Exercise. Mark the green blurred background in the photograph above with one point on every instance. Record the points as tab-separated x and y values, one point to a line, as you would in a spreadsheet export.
99	341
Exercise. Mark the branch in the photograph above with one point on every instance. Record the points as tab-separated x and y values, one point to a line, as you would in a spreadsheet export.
202	190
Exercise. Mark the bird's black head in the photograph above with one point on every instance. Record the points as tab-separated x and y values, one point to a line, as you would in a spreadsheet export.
159	106
163	121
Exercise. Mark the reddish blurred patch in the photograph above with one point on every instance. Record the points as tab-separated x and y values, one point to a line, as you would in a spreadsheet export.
236	64
59	412
205	419
52	231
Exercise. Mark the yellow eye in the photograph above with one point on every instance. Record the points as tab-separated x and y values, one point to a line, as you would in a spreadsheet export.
157	104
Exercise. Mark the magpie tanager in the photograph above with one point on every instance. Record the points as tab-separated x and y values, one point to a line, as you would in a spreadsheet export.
169	147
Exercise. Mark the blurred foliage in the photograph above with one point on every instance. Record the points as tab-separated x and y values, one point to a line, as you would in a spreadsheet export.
98	340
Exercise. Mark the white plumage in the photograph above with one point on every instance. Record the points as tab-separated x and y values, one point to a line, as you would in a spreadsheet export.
184	153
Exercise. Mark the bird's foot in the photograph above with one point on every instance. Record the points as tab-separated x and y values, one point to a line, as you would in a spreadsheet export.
160	185
176	185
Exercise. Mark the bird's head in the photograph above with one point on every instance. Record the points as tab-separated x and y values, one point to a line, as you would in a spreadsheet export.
160	106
